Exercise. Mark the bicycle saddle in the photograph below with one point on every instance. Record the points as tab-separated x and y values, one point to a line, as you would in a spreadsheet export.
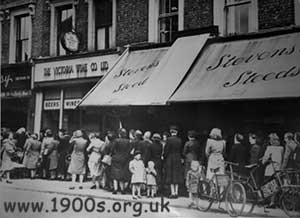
250	166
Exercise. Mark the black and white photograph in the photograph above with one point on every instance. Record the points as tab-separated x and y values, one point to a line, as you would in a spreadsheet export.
150	108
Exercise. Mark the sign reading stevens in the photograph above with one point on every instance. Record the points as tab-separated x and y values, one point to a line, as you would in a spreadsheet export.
75	68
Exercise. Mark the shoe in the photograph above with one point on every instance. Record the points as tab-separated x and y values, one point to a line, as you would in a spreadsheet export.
72	188
139	196
93	187
80	187
8	181
114	192
123	192
171	196
134	197
191	205
175	196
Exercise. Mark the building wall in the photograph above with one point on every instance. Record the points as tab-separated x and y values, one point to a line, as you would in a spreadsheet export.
272	14
132	21
198	14
5	42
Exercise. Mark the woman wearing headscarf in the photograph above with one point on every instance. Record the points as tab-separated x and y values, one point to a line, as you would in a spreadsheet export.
214	150
191	151
78	163
120	161
173	164
32	149
9	152
290	148
297	150
274	152
95	157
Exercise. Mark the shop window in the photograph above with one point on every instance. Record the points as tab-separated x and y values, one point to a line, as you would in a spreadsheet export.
166	16
102	24
64	24
62	21
22	38
236	16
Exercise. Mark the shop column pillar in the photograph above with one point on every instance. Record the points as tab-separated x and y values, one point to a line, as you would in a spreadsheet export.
61	109
38	111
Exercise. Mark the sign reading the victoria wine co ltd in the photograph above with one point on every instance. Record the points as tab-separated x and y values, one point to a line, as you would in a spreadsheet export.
74	68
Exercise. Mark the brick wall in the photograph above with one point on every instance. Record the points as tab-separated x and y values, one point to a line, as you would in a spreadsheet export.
5	41
277	13
41	30
132	21
82	24
198	14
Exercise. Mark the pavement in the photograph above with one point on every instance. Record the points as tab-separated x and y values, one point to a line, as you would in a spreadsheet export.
62	188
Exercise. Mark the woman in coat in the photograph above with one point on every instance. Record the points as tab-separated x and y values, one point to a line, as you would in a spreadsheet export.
49	150
156	152
173	162
78	162
8	152
191	151
214	150
95	158
274	152
32	149
120	161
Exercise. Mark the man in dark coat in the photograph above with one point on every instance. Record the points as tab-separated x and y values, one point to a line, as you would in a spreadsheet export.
173	161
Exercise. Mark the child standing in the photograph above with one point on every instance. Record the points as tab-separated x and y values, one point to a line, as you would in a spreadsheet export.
192	181
137	168
151	179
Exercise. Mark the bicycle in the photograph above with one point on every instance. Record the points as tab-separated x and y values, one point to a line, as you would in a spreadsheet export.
260	195
222	187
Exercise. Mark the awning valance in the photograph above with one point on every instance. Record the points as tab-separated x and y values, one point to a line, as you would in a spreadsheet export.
246	69
146	77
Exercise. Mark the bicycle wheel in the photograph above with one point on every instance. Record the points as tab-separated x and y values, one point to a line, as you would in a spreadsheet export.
206	195
290	202
235	199
251	199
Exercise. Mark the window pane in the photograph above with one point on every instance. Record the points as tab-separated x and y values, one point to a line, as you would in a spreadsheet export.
64	24
24	50
24	34
244	18
174	5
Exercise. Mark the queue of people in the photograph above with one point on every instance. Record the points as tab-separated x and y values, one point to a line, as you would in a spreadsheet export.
143	164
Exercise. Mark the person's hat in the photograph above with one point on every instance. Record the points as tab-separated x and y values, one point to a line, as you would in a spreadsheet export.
136	152
273	136
173	127
138	132
156	136
192	134
48	132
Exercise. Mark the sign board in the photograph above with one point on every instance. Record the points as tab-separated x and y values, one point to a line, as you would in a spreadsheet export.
71	103
74	68
15	81
245	69
51	104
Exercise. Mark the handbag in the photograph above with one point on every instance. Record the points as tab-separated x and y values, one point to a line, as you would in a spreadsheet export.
106	159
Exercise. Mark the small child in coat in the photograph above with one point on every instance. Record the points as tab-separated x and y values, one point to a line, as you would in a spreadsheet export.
151	179
137	168
194	175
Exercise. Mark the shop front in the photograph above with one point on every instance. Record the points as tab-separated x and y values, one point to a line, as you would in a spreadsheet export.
59	85
245	84
16	97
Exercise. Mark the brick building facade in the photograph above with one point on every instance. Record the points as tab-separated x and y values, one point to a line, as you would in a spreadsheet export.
131	22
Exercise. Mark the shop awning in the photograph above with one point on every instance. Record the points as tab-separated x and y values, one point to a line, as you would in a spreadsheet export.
247	69
146	77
